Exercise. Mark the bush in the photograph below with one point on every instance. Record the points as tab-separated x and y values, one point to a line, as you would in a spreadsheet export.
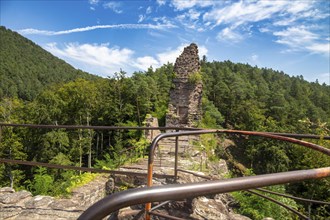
195	78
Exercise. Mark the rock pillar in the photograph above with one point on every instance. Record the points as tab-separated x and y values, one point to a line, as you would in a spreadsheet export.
184	108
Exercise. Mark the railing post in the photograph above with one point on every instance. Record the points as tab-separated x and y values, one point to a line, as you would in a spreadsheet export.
176	157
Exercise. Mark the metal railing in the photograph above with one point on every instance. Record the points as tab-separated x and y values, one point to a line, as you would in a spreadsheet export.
175	192
154	145
126	198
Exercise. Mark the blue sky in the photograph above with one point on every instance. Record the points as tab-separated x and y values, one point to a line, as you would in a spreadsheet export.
102	37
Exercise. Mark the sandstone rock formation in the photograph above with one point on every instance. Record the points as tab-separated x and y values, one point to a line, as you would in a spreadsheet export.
151	122
185	98
22	205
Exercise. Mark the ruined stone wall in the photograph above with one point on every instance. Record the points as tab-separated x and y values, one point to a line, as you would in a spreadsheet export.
22	205
187	62
151	122
185	98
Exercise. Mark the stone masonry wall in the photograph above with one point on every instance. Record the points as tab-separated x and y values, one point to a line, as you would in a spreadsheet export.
184	108
22	205
151	122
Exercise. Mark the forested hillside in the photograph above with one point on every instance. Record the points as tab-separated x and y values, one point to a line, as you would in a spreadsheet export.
236	96
26	68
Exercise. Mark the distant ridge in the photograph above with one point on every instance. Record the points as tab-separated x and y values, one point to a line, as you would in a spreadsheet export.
26	68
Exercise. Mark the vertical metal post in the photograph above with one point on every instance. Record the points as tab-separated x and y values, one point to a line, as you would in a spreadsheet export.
176	157
149	184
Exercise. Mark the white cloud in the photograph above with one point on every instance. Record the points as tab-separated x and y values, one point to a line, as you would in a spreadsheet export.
165	57
193	14
254	57
30	31
283	19
301	39
161	2
322	48
264	30
243	12
149	10
141	18
103	60
144	63
228	35
186	4
93	2
114	6
96	58
163	21
171	54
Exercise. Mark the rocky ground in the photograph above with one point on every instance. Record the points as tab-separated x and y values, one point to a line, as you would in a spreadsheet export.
22	205
219	207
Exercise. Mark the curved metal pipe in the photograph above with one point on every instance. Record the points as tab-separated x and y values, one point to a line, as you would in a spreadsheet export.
250	133
136	196
154	144
309	136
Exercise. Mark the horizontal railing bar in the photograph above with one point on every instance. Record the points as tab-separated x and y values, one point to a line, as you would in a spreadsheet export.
95	127
196	174
137	196
240	132
307	136
160	205
294	197
279	203
67	167
155	141
263	190
266	197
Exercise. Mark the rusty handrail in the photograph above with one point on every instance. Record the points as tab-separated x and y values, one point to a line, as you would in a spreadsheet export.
95	127
154	145
308	136
143	195
184	131
86	169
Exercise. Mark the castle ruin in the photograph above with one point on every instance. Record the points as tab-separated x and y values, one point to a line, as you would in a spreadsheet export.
184	108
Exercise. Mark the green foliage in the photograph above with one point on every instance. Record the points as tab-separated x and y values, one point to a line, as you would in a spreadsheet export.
108	163
195	78
26	68
259	208
212	118
80	180
38	88
42	183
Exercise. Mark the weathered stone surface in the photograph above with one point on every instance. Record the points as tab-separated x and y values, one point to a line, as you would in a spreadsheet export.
151	122
6	190
21	205
10	212
12	198
64	204
187	62
39	202
204	208
184	108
